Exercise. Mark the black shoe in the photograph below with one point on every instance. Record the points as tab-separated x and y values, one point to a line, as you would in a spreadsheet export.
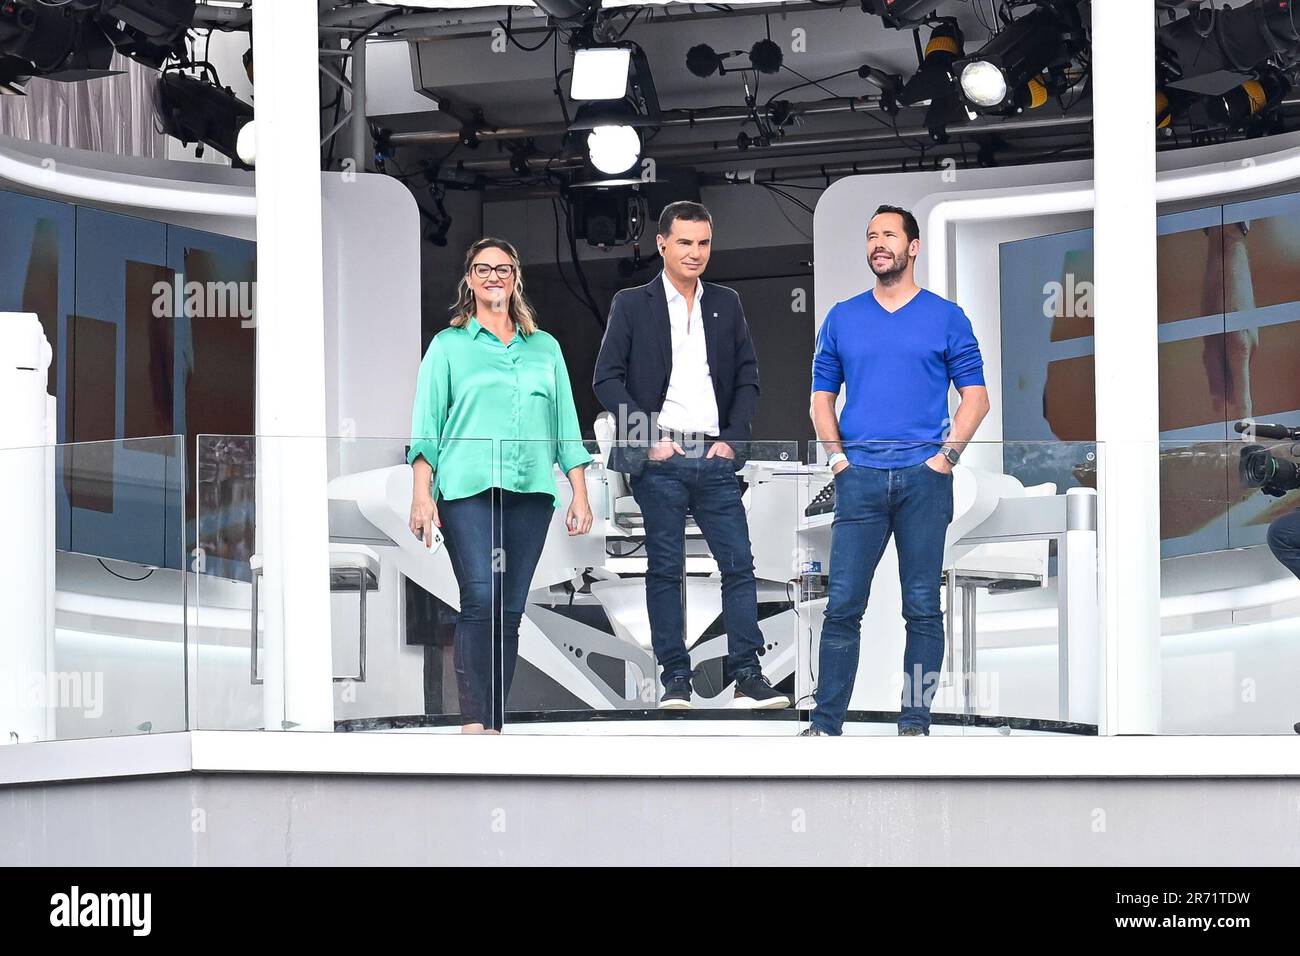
676	695
753	692
813	732
911	731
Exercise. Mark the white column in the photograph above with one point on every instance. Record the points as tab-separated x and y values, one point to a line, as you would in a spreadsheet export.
1124	253
26	507
292	516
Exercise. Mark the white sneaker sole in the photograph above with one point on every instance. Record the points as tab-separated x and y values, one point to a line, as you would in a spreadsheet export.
675	705
749	703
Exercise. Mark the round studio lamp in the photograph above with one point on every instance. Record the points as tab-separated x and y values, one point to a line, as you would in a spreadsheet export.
1245	102
246	144
983	84
613	149
1026	47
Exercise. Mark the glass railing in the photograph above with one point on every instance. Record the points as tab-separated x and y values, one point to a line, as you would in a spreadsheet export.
693	566
970	592
388	638
686	581
692	598
94	590
1229	598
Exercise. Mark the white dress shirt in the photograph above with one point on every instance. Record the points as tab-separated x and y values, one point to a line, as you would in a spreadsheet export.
690	405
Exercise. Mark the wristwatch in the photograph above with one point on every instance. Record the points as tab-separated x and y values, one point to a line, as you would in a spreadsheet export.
836	458
952	454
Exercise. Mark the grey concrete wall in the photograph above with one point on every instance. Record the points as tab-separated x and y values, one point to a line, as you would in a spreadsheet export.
229	819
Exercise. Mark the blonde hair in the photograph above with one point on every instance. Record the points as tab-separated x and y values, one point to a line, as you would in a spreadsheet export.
521	313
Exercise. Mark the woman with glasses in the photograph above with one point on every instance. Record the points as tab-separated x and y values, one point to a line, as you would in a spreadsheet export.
493	414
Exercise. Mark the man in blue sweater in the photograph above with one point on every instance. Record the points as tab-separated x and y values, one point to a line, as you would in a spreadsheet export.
894	349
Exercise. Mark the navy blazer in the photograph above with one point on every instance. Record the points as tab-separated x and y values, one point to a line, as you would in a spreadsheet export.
636	360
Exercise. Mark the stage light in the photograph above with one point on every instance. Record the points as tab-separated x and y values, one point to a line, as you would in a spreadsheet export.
600	73
567	10
1035	94
934	79
246	143
995	78
1164	109
1246	101
942	113
614	149
162	21
611	142
38	40
899	13
1170	105
602	216
983	83
1208	52
71	40
194	111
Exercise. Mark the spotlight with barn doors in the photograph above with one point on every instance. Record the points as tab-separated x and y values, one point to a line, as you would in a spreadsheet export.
610	132
246	144
74	40
1210	51
196	111
1004	76
1248	100
605	216
600	72
614	150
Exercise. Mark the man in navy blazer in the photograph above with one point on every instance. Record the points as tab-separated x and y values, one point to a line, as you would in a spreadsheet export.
678	371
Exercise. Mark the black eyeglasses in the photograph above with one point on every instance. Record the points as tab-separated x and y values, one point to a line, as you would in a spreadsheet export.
482	270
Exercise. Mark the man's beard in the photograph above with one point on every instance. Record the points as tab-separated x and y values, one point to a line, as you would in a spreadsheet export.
891	273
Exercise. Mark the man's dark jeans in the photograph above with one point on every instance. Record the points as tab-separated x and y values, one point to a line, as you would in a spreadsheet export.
494	540
914	504
709	490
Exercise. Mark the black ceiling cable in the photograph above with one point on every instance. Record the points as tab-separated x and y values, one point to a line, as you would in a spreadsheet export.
781	210
785	195
807	82
123	576
559	267
508	26
555	69
586	298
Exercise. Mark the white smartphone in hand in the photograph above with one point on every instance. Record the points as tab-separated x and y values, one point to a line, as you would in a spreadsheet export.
437	539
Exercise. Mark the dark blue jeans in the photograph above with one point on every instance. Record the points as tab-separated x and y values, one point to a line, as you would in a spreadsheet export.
494	540
709	490
913	504
1284	541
